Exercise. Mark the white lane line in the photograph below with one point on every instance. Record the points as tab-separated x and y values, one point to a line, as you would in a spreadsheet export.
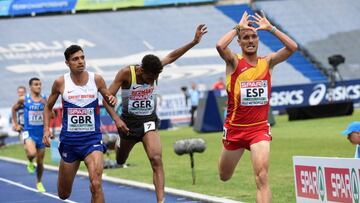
32	189
131	183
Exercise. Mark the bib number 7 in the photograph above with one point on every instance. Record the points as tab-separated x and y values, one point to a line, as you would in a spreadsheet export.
149	126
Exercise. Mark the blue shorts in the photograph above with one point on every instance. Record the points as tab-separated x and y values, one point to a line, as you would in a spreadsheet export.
71	153
34	135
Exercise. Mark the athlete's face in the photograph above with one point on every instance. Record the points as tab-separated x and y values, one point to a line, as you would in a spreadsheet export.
35	86
21	92
76	62
354	137
149	78
248	41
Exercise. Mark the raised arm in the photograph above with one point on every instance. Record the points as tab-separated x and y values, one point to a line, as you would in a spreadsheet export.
174	55
16	106
55	92
290	45
222	45
118	82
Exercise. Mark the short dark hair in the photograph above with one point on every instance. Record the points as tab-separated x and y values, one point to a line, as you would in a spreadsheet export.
151	64
71	50
33	79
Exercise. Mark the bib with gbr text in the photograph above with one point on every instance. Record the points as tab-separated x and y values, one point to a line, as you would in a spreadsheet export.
80	119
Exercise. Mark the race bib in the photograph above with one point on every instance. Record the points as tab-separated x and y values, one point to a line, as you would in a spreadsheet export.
80	119
36	118
141	100
225	133
25	135
148	126
254	93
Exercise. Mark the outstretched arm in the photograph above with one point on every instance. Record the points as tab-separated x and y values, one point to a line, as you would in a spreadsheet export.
17	105
222	45
119	80
55	92
290	45
174	55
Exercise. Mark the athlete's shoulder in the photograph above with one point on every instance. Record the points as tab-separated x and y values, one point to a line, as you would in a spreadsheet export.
124	73
97	76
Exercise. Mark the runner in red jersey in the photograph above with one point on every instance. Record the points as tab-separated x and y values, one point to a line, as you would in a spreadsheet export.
248	84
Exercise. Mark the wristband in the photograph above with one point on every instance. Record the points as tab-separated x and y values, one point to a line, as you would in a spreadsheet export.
273	29
237	29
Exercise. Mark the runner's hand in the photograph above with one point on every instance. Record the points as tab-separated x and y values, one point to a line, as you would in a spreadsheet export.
200	31
245	22
18	127
262	22
120	125
47	135
111	100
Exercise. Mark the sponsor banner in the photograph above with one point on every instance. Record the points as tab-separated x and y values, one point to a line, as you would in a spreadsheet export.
283	97
322	179
23	7
107	4
167	2
26	7
173	106
4	7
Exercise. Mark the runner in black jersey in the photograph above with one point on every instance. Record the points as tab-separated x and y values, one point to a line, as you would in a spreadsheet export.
138	121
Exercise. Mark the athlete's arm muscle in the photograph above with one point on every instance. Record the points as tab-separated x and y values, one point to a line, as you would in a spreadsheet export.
55	92
226	54
283	53
121	79
16	106
108	98
174	55
223	43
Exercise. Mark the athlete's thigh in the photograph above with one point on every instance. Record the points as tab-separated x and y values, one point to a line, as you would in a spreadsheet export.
123	151
260	153
30	146
94	163
67	172
229	159
152	144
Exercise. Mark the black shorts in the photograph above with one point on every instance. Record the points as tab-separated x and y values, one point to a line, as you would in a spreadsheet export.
138	127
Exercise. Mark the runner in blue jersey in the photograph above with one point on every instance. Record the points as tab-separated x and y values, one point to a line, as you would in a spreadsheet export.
80	137
33	105
138	121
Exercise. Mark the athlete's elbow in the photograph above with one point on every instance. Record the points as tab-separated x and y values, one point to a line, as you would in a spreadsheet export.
293	48
219	47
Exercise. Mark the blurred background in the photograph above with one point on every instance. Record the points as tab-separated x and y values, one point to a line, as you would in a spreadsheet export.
322	79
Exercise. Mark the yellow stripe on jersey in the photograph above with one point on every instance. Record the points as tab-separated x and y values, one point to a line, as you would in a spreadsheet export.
133	75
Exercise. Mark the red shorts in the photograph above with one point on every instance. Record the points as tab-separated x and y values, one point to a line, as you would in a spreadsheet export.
236	137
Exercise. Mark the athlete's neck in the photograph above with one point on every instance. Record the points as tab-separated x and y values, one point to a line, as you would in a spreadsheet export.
79	78
251	58
35	96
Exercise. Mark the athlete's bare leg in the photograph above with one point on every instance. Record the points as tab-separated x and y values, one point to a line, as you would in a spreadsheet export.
228	161
67	172
30	149
94	163
152	146
122	153
40	153
260	153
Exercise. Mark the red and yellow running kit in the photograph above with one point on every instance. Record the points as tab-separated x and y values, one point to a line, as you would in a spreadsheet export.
248	91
